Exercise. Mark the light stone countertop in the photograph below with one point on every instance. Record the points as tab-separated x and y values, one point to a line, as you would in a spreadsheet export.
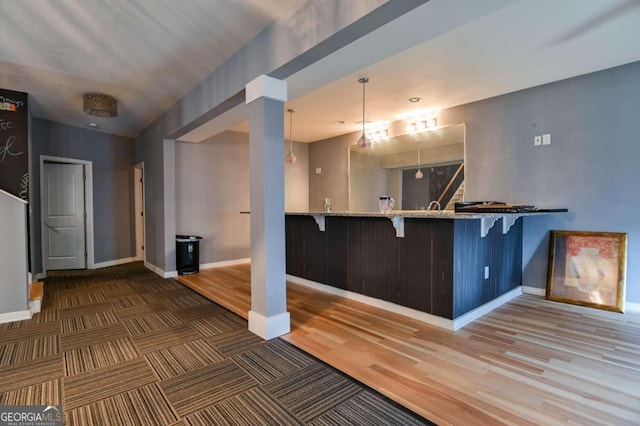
419	214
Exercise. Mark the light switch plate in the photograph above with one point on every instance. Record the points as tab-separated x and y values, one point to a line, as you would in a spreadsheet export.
318	170
486	272
537	140
546	139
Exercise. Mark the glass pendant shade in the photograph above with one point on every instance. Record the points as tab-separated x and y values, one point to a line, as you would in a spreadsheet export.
290	158
363	141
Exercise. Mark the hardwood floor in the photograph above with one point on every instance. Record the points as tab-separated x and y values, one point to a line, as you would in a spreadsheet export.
531	361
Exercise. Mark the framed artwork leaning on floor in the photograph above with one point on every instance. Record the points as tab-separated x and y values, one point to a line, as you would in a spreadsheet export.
588	269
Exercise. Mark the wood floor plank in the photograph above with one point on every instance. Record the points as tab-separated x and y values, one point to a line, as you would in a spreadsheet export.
531	361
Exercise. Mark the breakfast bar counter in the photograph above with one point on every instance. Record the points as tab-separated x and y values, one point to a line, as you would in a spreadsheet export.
440	263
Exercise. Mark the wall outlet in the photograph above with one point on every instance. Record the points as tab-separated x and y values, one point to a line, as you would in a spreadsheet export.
546	139
537	140
486	272
318	170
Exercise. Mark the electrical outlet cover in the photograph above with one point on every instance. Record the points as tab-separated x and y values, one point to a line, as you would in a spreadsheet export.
537	140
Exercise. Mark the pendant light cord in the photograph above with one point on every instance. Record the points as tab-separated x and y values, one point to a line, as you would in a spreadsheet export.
291	130
364	81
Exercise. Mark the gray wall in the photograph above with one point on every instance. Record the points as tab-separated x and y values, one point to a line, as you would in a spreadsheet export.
332	157
590	166
281	50
113	197
212	187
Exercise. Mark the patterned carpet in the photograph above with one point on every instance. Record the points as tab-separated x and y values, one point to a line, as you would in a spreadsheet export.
121	346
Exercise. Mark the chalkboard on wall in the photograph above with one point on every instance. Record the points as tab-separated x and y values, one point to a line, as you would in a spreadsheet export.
14	158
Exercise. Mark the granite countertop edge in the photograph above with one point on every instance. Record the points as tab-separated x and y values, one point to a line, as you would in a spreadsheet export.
427	214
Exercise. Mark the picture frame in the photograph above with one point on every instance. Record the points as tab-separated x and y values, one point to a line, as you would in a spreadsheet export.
588	269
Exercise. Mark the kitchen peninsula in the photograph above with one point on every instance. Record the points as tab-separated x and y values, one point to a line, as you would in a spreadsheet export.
452	266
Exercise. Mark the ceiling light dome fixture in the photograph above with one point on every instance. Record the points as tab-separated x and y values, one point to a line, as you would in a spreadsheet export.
364	141
100	105
290	158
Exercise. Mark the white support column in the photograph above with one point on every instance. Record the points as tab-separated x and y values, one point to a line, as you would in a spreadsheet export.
268	317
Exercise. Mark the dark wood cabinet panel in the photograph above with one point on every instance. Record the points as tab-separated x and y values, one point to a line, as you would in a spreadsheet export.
316	248
442	239
500	253
438	267
378	269
337	229
294	243
414	265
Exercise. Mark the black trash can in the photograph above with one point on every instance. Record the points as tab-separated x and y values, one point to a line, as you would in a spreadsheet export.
187	254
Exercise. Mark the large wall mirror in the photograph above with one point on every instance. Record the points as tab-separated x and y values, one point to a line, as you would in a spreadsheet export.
421	171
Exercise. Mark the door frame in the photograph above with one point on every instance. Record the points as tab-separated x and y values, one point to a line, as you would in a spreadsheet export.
88	206
138	185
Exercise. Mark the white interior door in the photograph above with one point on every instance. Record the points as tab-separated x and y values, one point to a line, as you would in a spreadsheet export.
63	213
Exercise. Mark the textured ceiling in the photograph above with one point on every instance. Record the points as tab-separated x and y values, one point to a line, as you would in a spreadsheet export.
145	53
149	53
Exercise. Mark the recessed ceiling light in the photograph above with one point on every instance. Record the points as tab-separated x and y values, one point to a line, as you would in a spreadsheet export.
414	100
94	125
339	121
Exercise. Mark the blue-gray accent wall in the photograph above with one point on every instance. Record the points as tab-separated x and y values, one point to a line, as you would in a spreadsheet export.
113	159
591	166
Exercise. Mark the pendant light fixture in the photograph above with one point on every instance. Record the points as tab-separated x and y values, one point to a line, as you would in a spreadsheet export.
290	158
364	141
419	174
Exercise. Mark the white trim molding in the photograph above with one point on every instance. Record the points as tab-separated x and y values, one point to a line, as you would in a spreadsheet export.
269	327
160	272
15	316
114	262
486	308
225	263
265	86
536	291
409	312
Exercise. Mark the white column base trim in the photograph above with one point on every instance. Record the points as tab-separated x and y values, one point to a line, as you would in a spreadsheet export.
114	262
409	312
631	307
536	291
15	316
269	327
225	263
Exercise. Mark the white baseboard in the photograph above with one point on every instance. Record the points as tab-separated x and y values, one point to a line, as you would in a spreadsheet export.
15	316
371	301
536	291
486	308
113	262
269	327
160	272
409	312
631	307
225	263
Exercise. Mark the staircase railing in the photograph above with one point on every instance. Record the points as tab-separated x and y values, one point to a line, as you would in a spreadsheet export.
452	186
